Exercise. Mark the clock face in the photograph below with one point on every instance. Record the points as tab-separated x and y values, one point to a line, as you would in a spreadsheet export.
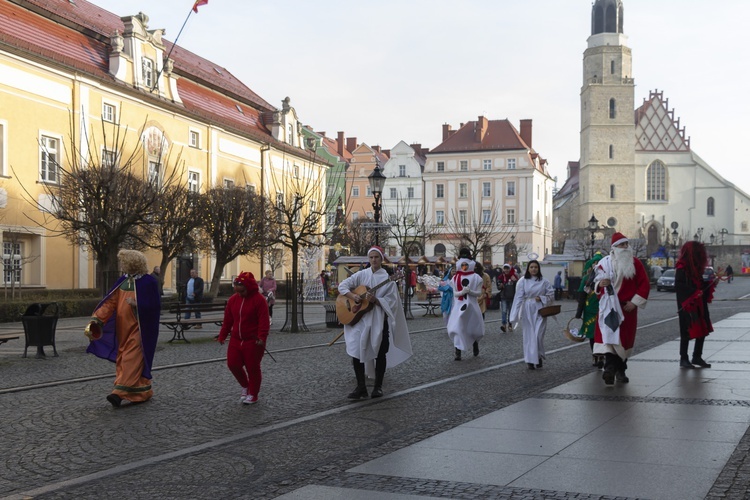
611	222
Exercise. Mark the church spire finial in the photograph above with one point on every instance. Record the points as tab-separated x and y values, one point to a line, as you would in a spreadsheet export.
607	17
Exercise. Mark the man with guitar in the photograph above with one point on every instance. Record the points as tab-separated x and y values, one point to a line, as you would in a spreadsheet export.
375	328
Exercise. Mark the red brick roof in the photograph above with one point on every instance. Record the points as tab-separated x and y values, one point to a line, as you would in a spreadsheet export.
501	135
332	145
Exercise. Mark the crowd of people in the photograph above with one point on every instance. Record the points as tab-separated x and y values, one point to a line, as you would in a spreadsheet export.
124	326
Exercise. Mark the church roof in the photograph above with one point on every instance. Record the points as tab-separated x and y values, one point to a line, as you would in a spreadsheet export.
656	128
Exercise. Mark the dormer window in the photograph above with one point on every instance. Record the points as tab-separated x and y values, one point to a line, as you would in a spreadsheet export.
148	72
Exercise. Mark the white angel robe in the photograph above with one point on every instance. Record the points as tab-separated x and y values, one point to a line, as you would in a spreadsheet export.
526	309
465	322
363	339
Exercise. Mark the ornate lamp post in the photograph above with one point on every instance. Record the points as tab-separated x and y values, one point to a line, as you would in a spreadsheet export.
593	227
711	239
377	183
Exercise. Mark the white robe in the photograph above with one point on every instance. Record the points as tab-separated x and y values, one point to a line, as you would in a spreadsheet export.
526	309
363	339
465	322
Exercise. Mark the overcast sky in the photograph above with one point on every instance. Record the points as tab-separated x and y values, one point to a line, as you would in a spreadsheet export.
393	70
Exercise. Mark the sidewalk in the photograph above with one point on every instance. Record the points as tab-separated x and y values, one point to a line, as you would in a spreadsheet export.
667	434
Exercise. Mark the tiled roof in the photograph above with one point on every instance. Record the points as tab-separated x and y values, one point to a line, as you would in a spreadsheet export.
332	145
571	183
501	135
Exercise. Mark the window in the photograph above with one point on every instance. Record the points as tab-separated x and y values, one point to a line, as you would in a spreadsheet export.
49	155
612	109
464	165
510	216
710	206
3	140
402	170
440	191
486	216
612	67
148	72
290	135
612	191
511	163
511	188
440	217
11	262
410	192
394	193
296	171
355	191
392	219
194	181
463	190
462	217
368	191
440	249
195	139
108	112
330	220
154	172
355	215
656	182
486	164
108	158
611	151
486	189
228	183
251	188
441	166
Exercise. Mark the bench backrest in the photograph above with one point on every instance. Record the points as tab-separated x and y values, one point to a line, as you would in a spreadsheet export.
208	307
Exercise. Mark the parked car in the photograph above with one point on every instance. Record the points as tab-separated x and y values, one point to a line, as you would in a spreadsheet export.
709	274
666	281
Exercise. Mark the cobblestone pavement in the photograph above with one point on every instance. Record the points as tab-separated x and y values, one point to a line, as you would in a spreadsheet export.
194	439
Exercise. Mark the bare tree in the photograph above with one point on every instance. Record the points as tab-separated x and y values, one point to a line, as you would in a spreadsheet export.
477	229
275	258
104	194
232	223
356	236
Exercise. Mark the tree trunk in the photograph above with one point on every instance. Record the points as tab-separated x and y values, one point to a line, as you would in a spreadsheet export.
216	278
294	327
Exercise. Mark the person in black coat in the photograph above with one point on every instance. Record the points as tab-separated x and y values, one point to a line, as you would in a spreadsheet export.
693	297
194	293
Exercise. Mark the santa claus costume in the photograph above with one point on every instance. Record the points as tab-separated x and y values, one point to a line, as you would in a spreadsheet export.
622	286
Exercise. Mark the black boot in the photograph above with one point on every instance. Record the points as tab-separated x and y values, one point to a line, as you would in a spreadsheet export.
361	390
698	361
621	377
476	348
530	366
458	354
685	363
539	365
380	364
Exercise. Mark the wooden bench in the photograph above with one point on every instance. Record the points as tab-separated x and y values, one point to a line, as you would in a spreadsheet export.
4	337
432	306
179	325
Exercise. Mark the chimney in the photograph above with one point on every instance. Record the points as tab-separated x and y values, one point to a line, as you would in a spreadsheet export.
417	148
321	133
446	131
376	149
351	143
526	132
480	128
340	144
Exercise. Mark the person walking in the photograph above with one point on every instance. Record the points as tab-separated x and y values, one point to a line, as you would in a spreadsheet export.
124	329
532	293
693	297
588	306
506	283
486	288
380	339
465	324
268	289
558	285
194	294
156	273
622	286
246	318
729	273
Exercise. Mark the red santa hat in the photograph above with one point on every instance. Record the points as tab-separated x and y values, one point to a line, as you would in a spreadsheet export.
617	239
377	249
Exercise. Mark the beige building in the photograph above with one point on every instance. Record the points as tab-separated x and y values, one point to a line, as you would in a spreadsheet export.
69	71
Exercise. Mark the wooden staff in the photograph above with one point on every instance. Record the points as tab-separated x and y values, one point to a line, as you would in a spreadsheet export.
337	337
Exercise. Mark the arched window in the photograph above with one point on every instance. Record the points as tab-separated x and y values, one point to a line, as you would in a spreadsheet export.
610	19
710	206
440	249
612	108
656	182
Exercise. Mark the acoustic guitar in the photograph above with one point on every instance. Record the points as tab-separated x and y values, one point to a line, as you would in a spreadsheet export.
349	312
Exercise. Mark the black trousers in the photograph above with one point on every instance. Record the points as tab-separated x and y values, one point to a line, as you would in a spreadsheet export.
380	361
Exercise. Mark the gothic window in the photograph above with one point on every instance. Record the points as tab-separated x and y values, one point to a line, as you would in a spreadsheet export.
710	206
612	108
656	182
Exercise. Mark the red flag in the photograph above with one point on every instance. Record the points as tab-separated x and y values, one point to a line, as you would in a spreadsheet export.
197	4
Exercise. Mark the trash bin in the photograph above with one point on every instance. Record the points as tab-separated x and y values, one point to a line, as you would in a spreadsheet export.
332	320
39	325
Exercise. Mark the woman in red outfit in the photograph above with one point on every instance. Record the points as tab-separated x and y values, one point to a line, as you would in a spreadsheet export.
246	317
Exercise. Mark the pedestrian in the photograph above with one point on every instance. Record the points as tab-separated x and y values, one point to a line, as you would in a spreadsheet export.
246	319
412	283
623	286
729	273
268	289
465	323
156	273
533	292
506	283
380	339
486	288
558	285
588	306
323	282
194	294
693	297
124	329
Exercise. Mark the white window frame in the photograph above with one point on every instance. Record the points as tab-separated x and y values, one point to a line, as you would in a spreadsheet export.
463	190
439	190
462	217
369	215
368	191
154	172
463	165
194	181
486	216
394	193
228	183
108	158
486	189
402	170
13	259
440	166
510	215
511	163
148	68
410	192
510	188
355	216
486	164
295	170
109	112
194	138
355	191
440	217
44	167
3	146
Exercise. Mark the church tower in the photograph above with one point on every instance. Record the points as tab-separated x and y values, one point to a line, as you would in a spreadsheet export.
607	172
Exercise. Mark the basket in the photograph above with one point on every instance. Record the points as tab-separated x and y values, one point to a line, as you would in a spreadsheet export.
549	310
573	334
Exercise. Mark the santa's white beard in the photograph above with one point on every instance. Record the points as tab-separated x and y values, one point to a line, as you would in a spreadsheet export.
623	260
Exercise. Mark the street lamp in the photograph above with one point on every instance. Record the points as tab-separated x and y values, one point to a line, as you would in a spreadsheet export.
675	235
711	239
593	227
723	233
377	183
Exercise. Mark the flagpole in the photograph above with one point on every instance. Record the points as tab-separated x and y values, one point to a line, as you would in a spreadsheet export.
164	62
